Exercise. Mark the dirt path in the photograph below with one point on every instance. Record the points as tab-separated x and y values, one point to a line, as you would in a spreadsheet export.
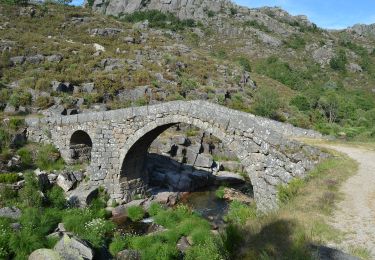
356	213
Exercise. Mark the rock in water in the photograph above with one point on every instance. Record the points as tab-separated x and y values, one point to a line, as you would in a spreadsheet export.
45	254
70	247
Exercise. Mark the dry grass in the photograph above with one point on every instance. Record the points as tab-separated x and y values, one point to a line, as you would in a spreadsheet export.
289	232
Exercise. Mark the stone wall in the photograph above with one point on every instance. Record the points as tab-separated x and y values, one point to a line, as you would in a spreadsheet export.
124	135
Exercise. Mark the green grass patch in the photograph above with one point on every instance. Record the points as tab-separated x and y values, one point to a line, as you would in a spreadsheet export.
135	213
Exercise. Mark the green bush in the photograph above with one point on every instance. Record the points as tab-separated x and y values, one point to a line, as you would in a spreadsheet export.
245	63
301	102
30	194
211	249
43	102
339	61
154	209
220	192
158	19
266	103
288	192
295	42
281	71
9	177
26	157
256	24
48	158
56	197
5	234
20	98
135	213
16	123
239	213
118	244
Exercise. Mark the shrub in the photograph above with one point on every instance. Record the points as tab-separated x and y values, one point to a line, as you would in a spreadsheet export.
9	177
256	24
295	42
26	157
5	235
210	250
43	102
56	197
43	84
135	213
48	158
159	19
118	244
288	192
154	209
20	98
30	193
220	192
282	72
266	103
16	123
233	11
239	213
245	64
339	61
301	102
88	224
24	242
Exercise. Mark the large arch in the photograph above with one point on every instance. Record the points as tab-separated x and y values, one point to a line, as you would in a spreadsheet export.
80	147
133	155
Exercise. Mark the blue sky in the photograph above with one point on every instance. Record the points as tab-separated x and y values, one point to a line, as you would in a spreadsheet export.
332	14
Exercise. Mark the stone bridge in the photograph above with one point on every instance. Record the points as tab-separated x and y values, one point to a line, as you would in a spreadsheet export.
116	143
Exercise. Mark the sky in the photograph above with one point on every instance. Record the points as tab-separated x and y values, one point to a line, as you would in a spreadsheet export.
329	14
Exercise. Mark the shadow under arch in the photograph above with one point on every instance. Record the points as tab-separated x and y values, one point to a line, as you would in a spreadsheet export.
80	147
134	153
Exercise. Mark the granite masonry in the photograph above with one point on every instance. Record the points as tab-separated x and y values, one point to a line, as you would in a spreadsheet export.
116	144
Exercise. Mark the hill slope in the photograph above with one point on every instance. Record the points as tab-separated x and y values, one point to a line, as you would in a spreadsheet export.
263	61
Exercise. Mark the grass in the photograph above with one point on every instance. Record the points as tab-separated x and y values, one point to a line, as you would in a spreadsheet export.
302	218
135	213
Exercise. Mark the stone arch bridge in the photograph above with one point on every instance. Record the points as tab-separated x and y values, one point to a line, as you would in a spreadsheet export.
116	142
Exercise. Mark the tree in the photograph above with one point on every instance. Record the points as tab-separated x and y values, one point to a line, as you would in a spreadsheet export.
330	105
266	103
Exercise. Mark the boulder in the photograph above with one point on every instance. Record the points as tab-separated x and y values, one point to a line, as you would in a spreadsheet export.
129	39
64	87
83	195
109	32
110	64
98	47
54	58
183	244
45	254
70	247
66	181
232	194
88	87
35	59
203	160
9	109
353	67
10	212
128	255
18	140
166	197
18	60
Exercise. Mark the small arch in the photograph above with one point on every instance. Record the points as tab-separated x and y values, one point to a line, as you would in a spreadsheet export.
80	147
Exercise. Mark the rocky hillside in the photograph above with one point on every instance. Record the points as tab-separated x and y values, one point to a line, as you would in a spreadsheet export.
65	60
